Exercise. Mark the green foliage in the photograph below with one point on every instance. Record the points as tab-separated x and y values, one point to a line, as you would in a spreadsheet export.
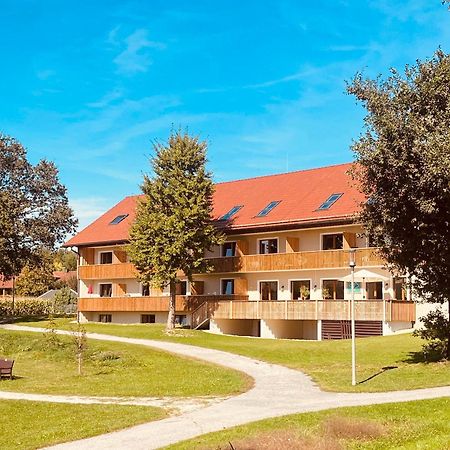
34	210
36	280
403	167
173	226
25	307
436	331
65	260
64	301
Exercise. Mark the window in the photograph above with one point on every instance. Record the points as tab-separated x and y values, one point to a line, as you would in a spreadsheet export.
333	289
106	290
300	289
374	290
146	290
231	212
181	320
399	288
268	290
227	287
229	249
106	258
268	208
268	246
328	203
181	287
148	318
332	241
105	318
118	219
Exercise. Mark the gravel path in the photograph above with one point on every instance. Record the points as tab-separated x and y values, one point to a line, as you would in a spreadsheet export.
277	391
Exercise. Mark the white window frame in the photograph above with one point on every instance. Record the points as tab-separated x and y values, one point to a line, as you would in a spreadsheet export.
227	278
100	257
326	234
311	287
266	239
269	281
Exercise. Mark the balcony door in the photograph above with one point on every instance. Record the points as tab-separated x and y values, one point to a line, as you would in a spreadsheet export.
268	290
374	290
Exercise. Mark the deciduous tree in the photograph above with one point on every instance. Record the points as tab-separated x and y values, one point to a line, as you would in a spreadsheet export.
34	210
173	227
403	167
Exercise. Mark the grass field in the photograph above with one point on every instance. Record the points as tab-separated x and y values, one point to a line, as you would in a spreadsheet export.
30	425
401	426
327	362
110	369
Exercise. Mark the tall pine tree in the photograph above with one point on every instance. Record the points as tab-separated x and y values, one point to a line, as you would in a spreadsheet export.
173	227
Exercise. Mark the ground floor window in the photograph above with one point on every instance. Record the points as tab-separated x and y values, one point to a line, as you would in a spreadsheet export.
181	319
268	290
105	318
400	288
148	318
333	289
106	290
374	290
300	289
227	287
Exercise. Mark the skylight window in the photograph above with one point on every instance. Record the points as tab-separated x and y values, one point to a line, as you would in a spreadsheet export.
268	208
330	201
118	219
231	212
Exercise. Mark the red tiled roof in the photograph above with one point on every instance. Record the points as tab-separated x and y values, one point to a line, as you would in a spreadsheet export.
5	284
300	194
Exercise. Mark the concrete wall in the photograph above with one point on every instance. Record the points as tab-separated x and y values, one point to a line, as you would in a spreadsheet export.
422	309
394	327
289	329
239	327
126	317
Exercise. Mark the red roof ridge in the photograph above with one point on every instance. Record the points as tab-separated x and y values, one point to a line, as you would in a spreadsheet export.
285	173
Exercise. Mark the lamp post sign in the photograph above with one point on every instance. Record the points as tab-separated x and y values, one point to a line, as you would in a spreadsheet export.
352	264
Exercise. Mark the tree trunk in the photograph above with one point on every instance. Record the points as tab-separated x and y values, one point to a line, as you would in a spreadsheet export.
171	315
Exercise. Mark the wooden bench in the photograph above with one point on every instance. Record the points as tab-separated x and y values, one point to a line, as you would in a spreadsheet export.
6	367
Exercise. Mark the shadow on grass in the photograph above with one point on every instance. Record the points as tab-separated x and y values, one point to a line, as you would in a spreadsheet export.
383	370
422	357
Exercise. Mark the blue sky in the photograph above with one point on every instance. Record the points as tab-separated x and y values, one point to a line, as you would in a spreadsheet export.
90	84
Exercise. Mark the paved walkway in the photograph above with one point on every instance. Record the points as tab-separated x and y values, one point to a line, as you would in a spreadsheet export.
277	391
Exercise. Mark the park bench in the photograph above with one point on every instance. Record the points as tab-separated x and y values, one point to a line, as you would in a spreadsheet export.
6	367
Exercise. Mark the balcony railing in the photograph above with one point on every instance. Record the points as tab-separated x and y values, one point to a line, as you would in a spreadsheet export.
328	259
379	310
183	303
325	259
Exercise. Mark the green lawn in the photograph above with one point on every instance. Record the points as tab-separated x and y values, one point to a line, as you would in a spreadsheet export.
110	369
30	425
413	425
328	362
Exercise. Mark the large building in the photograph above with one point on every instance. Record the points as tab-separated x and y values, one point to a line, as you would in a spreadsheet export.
283	271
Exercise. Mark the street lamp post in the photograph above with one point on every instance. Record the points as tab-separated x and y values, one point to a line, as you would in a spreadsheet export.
352	264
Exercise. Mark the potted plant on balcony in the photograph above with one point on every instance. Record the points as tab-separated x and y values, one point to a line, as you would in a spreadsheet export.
326	293
304	293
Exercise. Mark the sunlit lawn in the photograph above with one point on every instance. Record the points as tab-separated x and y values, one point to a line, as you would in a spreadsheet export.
327	362
110	369
413	425
30	425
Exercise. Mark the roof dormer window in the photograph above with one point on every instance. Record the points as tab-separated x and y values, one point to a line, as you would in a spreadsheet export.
231	212
268	208
118	219
330	201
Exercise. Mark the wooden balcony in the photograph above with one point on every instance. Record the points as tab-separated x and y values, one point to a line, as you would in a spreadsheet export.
325	259
328	259
184	303
107	271
374	310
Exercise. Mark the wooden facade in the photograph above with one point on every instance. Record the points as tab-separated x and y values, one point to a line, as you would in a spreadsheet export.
328	259
373	310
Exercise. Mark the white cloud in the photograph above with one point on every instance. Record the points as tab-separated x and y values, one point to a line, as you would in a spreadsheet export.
87	209
135	57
